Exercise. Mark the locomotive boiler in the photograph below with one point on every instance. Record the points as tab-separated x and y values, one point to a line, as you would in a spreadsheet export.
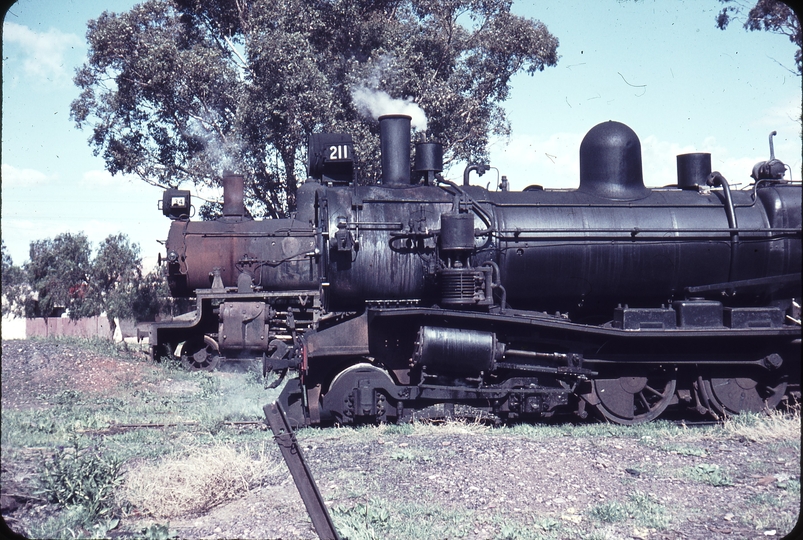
387	299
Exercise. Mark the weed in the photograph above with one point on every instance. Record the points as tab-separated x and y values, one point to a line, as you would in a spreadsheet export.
771	511
171	364
685	450
547	524
156	532
646	511
404	455
398	429
81	476
101	529
66	397
640	507
595	535
511	531
791	485
609	512
707	474
70	523
363	521
210	385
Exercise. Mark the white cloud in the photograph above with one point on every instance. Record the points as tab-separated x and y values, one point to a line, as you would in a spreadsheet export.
42	53
552	162
103	179
14	177
659	160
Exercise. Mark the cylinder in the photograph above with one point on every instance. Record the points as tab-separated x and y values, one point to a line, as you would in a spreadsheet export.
693	169
456	351
233	195
394	134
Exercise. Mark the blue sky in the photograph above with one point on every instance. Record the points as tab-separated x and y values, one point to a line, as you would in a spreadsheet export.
660	66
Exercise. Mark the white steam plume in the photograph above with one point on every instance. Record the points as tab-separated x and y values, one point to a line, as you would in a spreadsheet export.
376	103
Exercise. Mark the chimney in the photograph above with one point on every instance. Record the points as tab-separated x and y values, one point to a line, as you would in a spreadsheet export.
233	194
394	135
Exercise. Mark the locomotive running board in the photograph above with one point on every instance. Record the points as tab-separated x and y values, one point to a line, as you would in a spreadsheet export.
548	322
302	476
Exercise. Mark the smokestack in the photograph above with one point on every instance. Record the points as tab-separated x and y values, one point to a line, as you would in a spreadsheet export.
394	135
233	195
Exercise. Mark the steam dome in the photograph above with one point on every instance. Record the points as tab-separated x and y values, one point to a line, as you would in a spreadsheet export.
610	162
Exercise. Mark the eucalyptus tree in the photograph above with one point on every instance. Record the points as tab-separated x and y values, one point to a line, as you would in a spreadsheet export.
14	286
58	274
178	91
771	16
114	280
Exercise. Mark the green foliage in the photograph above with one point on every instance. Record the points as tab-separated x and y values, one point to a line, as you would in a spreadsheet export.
82	476
15	289
62	274
156	532
640	507
151	297
58	272
708	474
361	522
115	277
398	429
182	90
609	512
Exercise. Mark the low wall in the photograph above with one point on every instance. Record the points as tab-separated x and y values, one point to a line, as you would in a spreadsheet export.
13	328
63	326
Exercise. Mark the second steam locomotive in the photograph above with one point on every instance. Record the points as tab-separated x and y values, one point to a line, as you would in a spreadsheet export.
611	298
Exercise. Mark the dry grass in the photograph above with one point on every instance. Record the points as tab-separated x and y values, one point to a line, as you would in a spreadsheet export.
451	427
192	484
770	426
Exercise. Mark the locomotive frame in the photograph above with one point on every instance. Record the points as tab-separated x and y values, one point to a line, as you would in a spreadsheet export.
612	298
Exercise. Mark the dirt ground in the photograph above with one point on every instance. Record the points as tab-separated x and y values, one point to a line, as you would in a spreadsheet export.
486	483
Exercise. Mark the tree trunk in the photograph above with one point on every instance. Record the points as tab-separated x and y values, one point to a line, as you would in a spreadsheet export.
289	159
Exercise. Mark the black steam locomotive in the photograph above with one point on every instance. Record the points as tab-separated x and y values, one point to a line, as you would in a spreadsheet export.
612	298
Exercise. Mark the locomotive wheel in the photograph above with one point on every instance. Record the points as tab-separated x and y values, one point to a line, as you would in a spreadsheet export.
200	355
743	394
364	381
632	400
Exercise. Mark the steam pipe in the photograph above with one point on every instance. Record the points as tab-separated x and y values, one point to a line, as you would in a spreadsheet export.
772	148
480	169
715	179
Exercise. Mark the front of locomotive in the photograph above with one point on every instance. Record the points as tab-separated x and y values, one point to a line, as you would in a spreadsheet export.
256	282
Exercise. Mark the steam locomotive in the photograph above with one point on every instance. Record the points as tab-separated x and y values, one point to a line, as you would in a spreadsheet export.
387	300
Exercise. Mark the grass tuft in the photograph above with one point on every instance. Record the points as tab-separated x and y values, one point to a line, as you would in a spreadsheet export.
771	426
179	485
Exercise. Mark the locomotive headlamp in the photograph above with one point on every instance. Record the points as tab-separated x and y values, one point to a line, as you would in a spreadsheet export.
176	203
172	256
